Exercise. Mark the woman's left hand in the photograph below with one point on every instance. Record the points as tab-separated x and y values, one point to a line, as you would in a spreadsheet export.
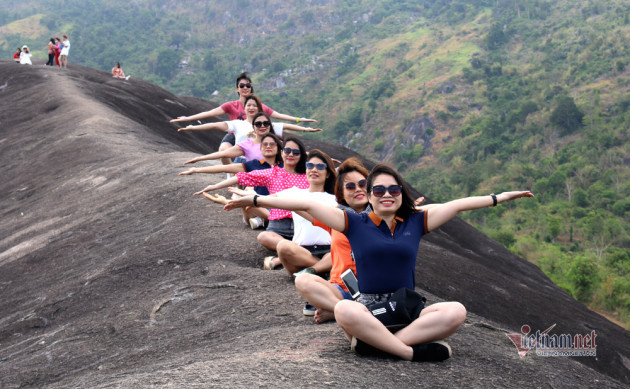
239	203
507	196
217	198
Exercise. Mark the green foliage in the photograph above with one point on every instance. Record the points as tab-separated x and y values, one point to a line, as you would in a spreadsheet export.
582	274
505	237
167	62
567	115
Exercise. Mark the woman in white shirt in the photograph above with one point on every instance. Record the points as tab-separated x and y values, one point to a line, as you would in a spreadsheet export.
63	56
25	56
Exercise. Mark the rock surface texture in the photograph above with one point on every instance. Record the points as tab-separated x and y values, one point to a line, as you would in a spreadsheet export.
112	275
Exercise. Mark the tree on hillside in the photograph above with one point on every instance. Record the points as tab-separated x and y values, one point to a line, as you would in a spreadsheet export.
567	115
167	62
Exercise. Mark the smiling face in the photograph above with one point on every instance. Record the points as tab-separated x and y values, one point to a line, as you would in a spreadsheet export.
259	128
244	91
290	159
357	197
388	204
251	108
314	176
268	148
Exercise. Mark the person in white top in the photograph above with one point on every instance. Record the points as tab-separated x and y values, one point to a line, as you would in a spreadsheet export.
310	243
25	56
63	56
241	128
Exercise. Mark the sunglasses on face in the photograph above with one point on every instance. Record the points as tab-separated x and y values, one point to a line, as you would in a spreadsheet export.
268	144
318	166
379	190
248	85
353	185
288	151
262	124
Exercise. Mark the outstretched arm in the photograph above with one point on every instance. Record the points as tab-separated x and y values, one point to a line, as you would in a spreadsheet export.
223	184
232	152
231	168
281	116
332	217
223	126
203	115
293	127
441	214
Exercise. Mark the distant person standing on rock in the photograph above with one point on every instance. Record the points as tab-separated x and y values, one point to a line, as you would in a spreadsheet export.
25	56
236	110
63	56
51	52
16	55
57	50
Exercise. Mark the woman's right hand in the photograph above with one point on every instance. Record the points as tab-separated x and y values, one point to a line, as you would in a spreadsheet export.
179	119
194	160
187	128
208	188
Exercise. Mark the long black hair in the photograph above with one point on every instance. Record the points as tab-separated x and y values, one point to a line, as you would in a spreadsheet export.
407	207
300	168
275	138
329	184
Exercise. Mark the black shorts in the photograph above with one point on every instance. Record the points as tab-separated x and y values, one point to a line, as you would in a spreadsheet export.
229	138
318	250
282	227
395	310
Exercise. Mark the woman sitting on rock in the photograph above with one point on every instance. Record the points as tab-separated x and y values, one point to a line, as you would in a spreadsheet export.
390	318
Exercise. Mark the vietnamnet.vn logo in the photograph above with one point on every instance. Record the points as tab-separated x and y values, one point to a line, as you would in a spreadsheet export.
554	345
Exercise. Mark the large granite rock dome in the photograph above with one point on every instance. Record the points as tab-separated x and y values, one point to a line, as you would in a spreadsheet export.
113	275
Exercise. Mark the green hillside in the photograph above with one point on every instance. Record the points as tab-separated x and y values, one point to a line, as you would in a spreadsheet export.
464	97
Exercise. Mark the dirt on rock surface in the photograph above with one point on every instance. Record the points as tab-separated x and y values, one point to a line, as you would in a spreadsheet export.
112	275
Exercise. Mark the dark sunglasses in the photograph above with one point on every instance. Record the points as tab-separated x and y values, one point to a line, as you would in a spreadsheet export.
379	190
288	150
248	85
318	166
268	144
353	185
262	124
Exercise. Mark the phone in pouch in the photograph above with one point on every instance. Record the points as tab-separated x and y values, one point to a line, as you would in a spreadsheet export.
351	283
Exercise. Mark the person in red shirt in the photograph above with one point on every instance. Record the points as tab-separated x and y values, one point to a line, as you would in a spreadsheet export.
16	55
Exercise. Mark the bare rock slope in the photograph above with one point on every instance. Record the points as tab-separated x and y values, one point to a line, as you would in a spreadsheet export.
113	275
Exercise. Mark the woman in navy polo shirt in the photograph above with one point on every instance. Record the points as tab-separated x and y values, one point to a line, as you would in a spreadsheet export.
385	246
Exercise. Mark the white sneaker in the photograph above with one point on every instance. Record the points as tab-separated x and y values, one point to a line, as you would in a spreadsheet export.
256	222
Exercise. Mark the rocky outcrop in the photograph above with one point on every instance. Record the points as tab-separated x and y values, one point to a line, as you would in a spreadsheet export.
113	275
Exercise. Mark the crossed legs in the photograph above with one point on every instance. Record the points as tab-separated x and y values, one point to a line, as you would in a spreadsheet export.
320	293
436	322
295	258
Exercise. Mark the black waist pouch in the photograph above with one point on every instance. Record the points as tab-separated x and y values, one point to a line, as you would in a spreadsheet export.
403	307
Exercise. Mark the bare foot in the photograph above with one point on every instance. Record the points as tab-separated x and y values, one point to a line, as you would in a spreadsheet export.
322	316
